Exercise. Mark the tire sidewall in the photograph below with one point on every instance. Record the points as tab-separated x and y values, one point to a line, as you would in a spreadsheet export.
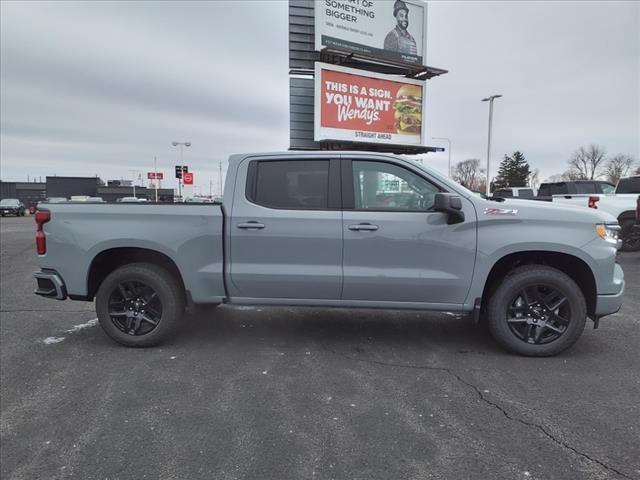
168	293
504	295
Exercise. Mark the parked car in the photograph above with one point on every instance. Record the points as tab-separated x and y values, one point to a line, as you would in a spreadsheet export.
56	200
515	192
621	203
95	200
131	200
11	206
310	229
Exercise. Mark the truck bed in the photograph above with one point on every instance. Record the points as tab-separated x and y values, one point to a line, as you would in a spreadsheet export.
190	235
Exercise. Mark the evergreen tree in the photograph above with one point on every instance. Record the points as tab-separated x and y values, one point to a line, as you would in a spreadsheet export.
514	171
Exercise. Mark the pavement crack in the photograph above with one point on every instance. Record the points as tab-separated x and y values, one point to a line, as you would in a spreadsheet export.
495	405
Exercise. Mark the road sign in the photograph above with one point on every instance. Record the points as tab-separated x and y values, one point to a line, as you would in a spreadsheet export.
155	175
187	178
178	171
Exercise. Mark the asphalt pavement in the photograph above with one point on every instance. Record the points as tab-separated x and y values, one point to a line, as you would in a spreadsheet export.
305	393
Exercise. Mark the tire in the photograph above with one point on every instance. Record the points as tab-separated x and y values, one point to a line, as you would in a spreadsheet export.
534	327
116	304
630	243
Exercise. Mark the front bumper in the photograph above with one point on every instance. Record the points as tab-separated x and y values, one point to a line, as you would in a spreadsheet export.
608	304
50	284
9	211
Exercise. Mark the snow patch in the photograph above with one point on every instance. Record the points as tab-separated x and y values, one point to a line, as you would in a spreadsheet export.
51	340
82	326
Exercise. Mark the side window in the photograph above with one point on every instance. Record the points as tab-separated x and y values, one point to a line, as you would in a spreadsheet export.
544	191
526	193
559	188
389	187
289	184
604	187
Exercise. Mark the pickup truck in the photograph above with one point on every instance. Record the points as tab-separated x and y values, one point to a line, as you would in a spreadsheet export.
620	203
336	229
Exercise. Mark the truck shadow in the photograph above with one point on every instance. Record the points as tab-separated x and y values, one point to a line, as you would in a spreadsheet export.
336	327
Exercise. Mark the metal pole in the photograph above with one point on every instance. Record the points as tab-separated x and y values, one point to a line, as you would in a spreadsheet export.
488	186
449	147
181	174
155	174
220	179
490	100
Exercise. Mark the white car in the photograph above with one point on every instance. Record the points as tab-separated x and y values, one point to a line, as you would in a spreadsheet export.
515	192
621	204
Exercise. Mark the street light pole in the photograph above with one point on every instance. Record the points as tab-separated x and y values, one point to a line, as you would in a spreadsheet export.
449	143
490	100
181	144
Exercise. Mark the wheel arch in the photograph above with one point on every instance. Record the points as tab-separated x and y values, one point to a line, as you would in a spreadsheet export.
573	266
109	260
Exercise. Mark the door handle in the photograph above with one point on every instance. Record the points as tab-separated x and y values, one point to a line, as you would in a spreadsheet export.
251	225
363	227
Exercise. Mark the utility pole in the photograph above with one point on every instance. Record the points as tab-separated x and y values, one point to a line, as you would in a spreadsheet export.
181	144
449	143
220	179
155	174
134	182
490	100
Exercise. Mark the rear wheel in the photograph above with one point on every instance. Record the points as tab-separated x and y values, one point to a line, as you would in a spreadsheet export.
140	305
537	311
630	242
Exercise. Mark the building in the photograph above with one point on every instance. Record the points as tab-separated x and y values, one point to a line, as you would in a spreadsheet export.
30	193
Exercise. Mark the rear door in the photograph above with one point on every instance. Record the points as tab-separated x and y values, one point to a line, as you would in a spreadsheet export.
396	247
286	229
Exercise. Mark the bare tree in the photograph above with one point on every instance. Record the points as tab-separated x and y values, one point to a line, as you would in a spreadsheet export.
586	163
469	174
618	166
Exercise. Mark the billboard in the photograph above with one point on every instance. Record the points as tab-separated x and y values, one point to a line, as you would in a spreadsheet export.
392	31
357	106
155	175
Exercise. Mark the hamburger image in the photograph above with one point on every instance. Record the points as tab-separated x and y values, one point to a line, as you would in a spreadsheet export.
408	110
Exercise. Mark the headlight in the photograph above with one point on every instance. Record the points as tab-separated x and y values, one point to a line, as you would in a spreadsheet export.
608	232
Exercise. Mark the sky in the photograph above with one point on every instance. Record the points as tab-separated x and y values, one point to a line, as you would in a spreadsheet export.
102	88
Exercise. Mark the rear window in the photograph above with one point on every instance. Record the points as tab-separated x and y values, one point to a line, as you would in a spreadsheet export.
289	184
586	187
526	193
558	189
628	185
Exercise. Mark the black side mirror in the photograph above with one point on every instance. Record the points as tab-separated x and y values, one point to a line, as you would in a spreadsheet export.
451	204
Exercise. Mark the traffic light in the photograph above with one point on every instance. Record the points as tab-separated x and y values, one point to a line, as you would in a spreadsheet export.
179	171
185	169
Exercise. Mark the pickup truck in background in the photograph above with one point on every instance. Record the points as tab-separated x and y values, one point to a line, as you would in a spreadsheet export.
336	229
621	203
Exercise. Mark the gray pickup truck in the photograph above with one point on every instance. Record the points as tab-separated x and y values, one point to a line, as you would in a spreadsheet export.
336	229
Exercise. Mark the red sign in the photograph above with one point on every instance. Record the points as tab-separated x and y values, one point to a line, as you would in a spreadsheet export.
155	175
187	178
367	107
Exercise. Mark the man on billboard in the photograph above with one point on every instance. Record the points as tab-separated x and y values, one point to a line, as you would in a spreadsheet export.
399	39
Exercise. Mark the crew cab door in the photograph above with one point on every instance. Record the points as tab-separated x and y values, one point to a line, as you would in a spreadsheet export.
396	247
285	229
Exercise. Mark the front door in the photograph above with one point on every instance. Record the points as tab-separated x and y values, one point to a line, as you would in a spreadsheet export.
396	248
286	230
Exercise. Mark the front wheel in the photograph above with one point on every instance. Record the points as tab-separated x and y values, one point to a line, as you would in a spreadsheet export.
630	242
140	305
537	311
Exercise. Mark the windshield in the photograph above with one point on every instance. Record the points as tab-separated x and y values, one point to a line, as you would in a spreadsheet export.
10	202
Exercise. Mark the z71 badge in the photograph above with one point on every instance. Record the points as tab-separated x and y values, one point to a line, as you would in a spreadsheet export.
500	211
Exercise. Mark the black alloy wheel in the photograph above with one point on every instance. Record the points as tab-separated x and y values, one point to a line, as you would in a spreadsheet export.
537	311
135	308
539	314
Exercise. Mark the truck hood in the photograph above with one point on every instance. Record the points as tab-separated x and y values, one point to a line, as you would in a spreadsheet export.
537	210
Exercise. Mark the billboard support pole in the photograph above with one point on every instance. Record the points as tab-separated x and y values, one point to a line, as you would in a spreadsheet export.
155	169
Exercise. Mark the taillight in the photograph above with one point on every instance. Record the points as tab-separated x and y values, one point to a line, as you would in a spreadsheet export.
593	201
42	217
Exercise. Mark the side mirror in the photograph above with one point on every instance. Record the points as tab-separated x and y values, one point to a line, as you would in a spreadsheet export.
451	204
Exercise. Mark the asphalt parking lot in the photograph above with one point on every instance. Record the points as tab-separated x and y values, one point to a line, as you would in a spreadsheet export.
275	393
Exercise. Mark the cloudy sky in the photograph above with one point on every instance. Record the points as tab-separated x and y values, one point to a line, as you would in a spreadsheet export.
101	88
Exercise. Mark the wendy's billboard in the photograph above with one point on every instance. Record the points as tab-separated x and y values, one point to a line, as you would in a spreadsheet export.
357	106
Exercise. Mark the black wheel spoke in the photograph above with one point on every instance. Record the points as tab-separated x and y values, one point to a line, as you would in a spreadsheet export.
558	319
135	307
537	334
